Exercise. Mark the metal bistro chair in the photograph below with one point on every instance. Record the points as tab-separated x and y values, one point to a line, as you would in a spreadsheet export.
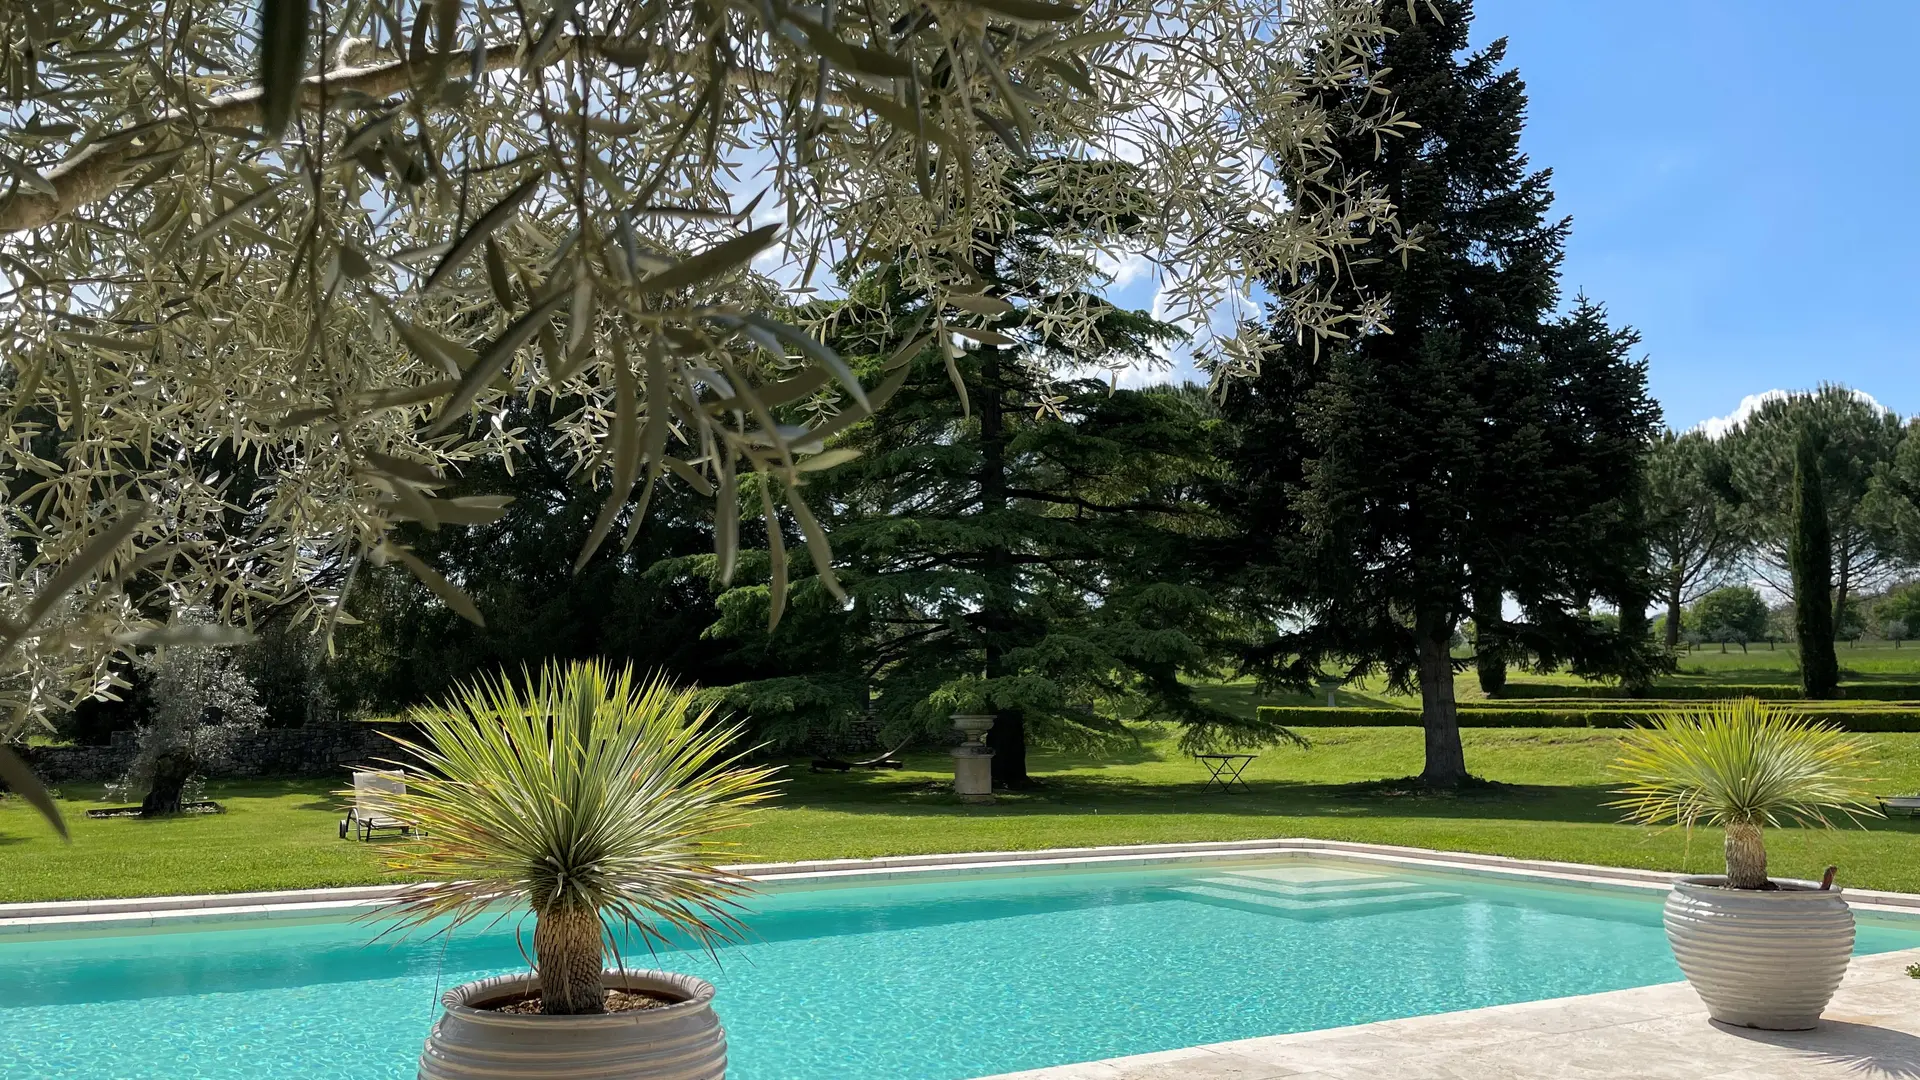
369	812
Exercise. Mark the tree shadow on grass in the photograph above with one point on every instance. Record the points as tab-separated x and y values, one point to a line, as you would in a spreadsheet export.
1081	794
277	787
1103	757
1084	794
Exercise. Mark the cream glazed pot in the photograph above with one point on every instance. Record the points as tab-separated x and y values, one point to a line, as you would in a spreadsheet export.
1761	958
678	1042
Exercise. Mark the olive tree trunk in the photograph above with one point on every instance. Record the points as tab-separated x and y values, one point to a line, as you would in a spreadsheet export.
567	957
171	771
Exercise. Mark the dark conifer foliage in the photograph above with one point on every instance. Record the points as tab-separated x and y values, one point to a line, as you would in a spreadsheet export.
1810	559
1481	456
1024	549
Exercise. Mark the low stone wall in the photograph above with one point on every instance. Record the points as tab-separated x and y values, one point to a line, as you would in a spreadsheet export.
300	751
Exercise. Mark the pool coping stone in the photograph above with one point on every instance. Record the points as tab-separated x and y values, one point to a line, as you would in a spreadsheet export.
1871	1029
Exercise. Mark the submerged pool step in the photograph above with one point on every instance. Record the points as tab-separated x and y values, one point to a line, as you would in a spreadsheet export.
1328	906
1263	883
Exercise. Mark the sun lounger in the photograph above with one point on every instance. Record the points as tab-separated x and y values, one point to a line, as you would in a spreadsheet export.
370	812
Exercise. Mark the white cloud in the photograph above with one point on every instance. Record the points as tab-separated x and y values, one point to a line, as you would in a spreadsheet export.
1719	426
1124	269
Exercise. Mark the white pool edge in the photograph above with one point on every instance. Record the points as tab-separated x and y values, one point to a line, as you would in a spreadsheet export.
155	911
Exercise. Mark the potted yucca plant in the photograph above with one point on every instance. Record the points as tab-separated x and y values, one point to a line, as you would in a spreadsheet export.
591	798
1761	952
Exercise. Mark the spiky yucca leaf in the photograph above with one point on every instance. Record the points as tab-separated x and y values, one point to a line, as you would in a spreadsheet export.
1740	762
583	790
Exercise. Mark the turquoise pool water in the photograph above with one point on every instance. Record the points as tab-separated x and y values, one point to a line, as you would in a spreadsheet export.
936	979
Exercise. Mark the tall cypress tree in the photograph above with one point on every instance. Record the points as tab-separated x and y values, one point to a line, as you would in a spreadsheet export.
1810	560
1483	453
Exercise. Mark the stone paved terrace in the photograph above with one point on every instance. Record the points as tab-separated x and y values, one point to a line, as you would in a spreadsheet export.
1871	1031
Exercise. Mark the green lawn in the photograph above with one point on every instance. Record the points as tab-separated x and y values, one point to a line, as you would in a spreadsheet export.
282	834
1871	661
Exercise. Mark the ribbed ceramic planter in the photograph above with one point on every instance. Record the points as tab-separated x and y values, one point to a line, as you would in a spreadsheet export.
1767	958
678	1042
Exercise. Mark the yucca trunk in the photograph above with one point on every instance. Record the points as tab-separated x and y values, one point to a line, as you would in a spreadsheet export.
1746	856
567	957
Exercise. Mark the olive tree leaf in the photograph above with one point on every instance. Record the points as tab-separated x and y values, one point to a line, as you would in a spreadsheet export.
446	590
653	441
21	780
493	360
980	303
417	472
429	346
283	59
827	459
952	357
716	260
816	543
816	350
626	454
726	519
776	559
1033	11
399	396
983	335
77	569
411	504
482	228
816	438
207	635
497	277
471	509
687	473
220	221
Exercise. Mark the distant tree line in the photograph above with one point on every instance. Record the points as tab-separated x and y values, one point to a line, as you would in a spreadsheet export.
1815	497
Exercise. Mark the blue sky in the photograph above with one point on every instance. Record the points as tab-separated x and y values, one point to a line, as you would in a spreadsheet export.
1742	176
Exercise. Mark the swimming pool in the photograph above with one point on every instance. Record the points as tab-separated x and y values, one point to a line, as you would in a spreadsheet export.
935	977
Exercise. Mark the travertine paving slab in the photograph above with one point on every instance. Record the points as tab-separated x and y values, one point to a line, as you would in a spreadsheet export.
1871	1031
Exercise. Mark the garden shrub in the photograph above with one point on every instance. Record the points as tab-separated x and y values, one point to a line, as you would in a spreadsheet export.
1528	694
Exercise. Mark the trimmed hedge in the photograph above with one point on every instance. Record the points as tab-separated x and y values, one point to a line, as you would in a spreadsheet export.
1647	704
1532	693
1563	690
1882	719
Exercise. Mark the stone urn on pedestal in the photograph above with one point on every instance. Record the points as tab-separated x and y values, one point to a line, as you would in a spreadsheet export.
973	758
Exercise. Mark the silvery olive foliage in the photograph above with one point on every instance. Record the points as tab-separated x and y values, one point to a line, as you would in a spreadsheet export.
268	268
